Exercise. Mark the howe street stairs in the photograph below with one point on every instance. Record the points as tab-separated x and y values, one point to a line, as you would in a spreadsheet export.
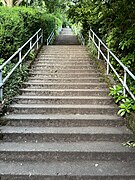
63	125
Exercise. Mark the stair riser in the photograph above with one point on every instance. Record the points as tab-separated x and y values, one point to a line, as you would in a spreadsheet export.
110	111
64	56
64	101
67	177
65	123
65	93
66	86
51	67
49	137
66	156
55	80
57	75
62	62
66	71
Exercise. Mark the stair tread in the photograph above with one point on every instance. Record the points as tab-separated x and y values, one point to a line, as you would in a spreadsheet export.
62	97
65	147
68	90
61	116
75	168
80	106
65	130
41	83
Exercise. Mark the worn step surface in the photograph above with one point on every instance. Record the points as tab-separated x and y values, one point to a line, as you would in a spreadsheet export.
65	134
63	125
61	120
63	100
65	92
82	170
66	151
63	109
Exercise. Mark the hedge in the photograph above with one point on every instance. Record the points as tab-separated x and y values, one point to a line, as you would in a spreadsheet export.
18	24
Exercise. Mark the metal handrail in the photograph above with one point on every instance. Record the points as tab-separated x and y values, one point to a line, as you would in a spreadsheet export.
39	37
98	42
49	39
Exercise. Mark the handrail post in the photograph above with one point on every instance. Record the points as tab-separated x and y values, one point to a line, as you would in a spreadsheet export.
30	44
93	38
1	87
37	41
125	82
89	35
99	49
47	42
20	58
108	60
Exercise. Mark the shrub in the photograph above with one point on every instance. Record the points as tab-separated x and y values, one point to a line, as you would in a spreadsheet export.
17	25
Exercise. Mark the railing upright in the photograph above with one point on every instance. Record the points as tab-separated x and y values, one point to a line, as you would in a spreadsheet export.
20	58
98	43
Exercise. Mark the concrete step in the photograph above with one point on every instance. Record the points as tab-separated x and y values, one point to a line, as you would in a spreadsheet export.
77	170
75	56
65	75
62	109
65	80
64	58
67	71
65	62
64	134
61	120
66	151
65	92
63	100
60	67
66	85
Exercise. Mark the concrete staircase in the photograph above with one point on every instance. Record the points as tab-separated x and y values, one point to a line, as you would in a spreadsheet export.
64	124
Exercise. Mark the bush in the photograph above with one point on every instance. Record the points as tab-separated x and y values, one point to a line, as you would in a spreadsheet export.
17	25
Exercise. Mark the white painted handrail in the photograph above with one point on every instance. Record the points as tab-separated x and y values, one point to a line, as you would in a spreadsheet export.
39	37
98	43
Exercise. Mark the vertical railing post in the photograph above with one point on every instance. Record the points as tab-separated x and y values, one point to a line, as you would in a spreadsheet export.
20	58
30	43
1	86
89	36
125	82
47	42
37	41
99	49
93	38
108	60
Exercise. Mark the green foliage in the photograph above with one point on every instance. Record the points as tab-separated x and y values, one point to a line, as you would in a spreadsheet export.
114	22
11	88
17	25
127	105
130	144
117	93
